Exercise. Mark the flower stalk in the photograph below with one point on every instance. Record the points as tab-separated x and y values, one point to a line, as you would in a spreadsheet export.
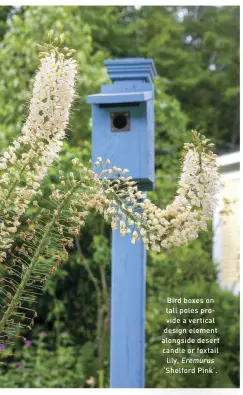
24	164
117	198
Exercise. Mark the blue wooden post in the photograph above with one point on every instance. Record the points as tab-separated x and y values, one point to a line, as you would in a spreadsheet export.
123	131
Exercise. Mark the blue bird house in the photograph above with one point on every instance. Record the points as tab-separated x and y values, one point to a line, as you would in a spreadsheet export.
123	119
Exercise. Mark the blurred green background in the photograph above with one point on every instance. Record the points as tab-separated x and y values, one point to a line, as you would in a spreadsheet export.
196	53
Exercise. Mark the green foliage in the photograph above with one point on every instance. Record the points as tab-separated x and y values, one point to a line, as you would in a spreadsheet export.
4	13
195	48
188	94
39	366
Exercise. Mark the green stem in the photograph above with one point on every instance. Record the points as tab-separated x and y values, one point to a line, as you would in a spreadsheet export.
101	378
13	185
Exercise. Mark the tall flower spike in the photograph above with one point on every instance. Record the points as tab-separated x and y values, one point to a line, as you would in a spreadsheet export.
26	161
51	234
179	222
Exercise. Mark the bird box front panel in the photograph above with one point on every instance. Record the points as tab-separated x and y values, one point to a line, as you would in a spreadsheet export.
120	134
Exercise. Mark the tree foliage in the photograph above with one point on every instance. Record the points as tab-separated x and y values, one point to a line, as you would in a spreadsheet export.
195	50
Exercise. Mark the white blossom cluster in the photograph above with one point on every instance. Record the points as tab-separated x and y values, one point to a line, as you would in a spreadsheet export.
181	221
24	164
118	199
115	196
